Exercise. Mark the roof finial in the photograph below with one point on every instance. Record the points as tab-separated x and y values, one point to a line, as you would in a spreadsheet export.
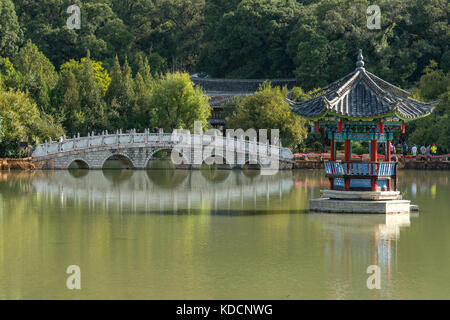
360	62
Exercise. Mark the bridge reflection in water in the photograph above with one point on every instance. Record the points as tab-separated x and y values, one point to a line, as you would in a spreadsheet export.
167	191
133	234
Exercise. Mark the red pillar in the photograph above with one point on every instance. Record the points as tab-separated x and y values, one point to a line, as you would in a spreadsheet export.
388	159
348	158
374	154
332	151
374	158
388	150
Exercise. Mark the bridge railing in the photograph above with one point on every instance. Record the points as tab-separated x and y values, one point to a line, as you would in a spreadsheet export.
105	139
360	174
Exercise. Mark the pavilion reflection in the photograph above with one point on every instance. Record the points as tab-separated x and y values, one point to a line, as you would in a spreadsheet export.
360	240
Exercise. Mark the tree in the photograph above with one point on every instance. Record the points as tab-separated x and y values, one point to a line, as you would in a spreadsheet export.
70	103
120	95
102	32
178	104
143	113
328	34
9	76
101	75
10	33
230	107
39	75
171	29
250	42
22	121
299	95
79	96
433	84
267	109
91	100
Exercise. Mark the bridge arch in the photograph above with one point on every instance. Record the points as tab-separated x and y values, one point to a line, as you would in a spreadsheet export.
186	160
252	166
123	159
78	164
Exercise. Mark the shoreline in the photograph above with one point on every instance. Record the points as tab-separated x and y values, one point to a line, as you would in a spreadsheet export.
419	163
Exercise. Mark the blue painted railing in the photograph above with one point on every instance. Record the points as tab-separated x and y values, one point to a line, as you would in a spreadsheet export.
360	175
382	169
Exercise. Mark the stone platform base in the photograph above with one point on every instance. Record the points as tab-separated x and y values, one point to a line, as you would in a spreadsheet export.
359	206
361	195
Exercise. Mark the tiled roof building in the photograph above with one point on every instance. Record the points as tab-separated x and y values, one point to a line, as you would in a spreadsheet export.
362	95
223	90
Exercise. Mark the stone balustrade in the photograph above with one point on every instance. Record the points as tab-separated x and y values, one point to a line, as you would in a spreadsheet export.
138	148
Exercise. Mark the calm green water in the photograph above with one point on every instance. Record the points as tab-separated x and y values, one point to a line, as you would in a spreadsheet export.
214	235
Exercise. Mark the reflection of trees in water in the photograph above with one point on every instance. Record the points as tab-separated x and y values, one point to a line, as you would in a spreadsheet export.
423	177
415	183
117	176
213	173
251	170
16	183
163	174
251	173
309	179
78	173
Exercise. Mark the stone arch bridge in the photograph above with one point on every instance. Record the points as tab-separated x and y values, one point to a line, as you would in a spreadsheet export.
137	149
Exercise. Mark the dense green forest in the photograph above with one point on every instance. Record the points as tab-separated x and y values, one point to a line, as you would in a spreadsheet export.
128	60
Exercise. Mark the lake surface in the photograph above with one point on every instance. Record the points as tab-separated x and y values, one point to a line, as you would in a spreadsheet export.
214	235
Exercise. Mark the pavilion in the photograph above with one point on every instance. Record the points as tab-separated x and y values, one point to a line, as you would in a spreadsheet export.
361	107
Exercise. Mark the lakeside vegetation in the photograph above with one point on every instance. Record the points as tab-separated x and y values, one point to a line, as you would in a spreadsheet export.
127	67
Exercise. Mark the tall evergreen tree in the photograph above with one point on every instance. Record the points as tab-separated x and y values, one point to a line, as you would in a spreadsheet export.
143	114
11	35
145	71
91	100
39	75
70	104
120	95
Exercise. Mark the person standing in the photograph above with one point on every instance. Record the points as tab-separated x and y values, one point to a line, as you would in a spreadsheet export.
392	148
423	150
405	149
433	149
414	150
428	150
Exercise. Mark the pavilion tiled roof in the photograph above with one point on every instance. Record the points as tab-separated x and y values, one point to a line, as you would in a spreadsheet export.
362	94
